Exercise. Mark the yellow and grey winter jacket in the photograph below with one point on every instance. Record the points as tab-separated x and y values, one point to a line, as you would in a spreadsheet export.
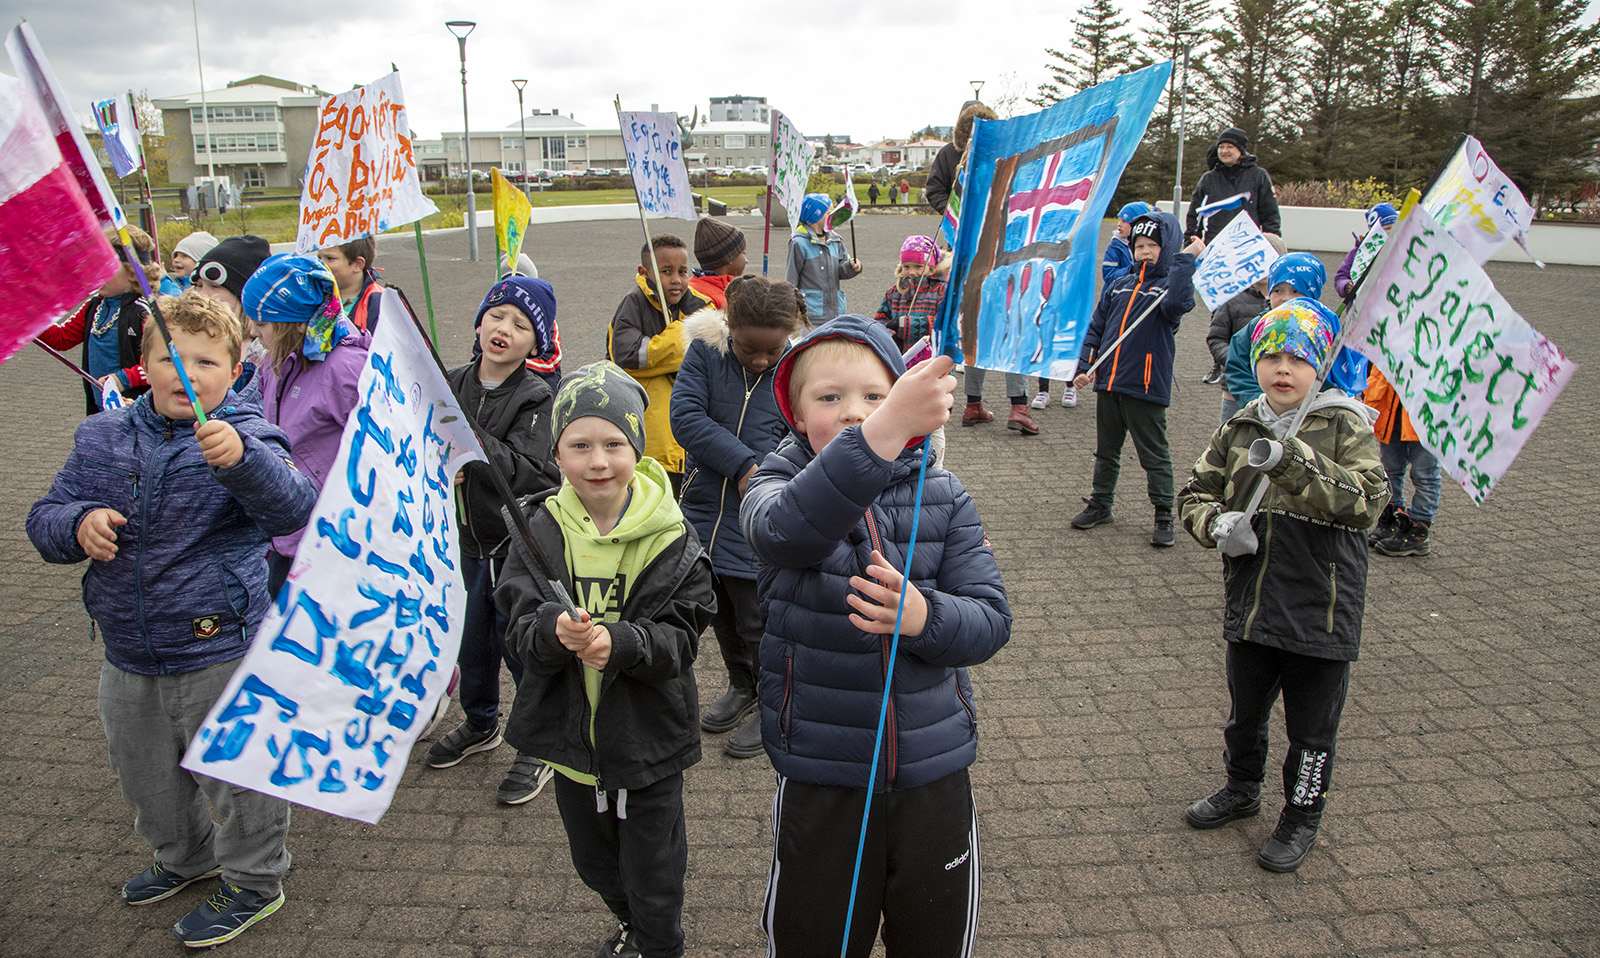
642	342
1304	588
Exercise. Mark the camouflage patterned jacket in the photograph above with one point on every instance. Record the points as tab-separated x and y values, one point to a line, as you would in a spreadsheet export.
1304	589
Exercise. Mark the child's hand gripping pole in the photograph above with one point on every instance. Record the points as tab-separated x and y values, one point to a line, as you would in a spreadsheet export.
1111	350
1241	539
132	255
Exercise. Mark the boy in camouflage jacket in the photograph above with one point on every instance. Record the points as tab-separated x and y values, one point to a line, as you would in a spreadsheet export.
1294	602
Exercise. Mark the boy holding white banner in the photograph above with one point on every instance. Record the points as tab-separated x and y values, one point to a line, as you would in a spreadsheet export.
1294	603
175	518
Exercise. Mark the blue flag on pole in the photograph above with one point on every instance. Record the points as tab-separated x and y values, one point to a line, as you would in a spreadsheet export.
1035	188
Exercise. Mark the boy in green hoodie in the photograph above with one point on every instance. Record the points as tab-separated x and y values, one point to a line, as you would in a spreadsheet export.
608	697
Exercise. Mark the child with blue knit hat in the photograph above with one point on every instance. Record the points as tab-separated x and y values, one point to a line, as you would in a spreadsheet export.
536	299
309	382
1295	572
818	261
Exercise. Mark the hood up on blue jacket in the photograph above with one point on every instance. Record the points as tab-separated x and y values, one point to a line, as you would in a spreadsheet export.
867	332
1171	244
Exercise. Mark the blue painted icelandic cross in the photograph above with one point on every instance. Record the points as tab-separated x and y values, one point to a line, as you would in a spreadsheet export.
1034	189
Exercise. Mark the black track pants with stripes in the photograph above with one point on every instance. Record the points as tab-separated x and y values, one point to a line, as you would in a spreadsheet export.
919	873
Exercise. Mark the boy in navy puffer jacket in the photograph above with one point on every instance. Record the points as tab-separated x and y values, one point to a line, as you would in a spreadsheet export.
176	518
829	515
1134	384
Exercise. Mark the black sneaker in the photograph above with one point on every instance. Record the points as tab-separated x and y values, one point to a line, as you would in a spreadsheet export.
524	780
1388	525
1214	376
224	916
1289	845
158	883
1093	514
457	744
1227	805
619	945
746	742
1162	534
1411	539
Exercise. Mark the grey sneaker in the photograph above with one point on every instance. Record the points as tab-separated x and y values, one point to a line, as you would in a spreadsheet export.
524	780
1093	514
462	741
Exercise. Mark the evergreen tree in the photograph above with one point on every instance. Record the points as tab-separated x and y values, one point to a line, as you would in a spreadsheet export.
1255	68
1341	78
1409	109
1102	51
1471	38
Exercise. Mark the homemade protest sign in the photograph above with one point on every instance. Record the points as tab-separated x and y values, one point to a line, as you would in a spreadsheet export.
655	158
511	214
1367	252
1238	257
361	177
50	240
359	646
121	143
1033	193
844	211
791	166
1478	204
1475	377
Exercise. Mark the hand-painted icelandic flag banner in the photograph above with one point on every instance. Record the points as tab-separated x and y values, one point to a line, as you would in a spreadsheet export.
1478	204
1034	192
790	168
1239	257
361	176
655	158
53	252
359	646
511	214
28	59
1475	377
121	145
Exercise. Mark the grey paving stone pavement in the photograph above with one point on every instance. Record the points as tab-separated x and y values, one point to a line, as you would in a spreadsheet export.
1464	820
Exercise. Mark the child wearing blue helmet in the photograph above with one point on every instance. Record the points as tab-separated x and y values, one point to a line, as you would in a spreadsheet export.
1291	276
818	261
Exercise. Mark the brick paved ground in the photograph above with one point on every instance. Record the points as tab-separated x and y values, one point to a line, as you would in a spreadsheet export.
1464	821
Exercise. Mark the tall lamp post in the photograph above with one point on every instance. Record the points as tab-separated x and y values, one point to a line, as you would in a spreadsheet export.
977	85
1186	37
461	28
522	124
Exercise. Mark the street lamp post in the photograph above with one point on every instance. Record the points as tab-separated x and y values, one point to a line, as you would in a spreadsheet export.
977	87
1187	38
460	29
522	124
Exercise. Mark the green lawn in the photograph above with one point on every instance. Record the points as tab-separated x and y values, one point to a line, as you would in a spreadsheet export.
274	216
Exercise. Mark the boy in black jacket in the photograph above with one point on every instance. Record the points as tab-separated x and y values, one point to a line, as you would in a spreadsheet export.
1133	385
614	537
511	405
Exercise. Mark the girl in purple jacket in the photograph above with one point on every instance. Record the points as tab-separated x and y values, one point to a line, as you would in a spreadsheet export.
309	385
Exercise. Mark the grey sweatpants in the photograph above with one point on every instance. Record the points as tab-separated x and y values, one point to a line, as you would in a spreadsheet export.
149	721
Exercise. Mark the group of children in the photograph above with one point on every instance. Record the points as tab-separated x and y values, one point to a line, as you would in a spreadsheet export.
747	458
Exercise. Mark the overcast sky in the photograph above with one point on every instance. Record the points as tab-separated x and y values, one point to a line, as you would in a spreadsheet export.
867	71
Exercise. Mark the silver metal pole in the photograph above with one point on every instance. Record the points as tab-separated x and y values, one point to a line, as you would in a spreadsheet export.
522	124
461	28
1183	110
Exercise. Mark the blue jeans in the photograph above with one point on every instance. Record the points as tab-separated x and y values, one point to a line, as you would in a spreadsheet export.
483	644
1425	480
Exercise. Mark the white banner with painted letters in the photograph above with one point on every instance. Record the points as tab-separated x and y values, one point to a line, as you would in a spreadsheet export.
1238	257
351	660
790	169
655	158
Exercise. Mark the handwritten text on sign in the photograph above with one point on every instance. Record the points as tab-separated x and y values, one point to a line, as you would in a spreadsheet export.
1239	257
361	178
655	158
351	660
1478	203
791	166
1475	377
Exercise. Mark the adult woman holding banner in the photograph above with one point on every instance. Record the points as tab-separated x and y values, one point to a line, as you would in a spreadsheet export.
1233	183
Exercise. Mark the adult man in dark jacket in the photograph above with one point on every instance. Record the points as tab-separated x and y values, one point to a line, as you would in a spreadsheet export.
1231	172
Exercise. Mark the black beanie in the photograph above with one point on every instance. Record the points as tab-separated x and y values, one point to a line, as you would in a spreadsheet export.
230	262
1147	226
1235	136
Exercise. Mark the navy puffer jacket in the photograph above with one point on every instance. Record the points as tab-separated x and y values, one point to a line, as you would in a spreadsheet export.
726	419
1141	365
188	585
813	520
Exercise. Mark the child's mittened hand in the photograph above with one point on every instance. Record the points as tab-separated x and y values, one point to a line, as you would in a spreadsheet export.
219	443
879	601
575	636
97	533
1223	525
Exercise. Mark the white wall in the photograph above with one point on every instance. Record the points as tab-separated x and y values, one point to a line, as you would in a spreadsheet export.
1328	230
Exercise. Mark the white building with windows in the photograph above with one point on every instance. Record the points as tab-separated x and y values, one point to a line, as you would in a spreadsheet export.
740	108
728	144
555	142
257	131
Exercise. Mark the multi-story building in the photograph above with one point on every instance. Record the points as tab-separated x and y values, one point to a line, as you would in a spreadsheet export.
740	108
555	142
728	144
257	132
